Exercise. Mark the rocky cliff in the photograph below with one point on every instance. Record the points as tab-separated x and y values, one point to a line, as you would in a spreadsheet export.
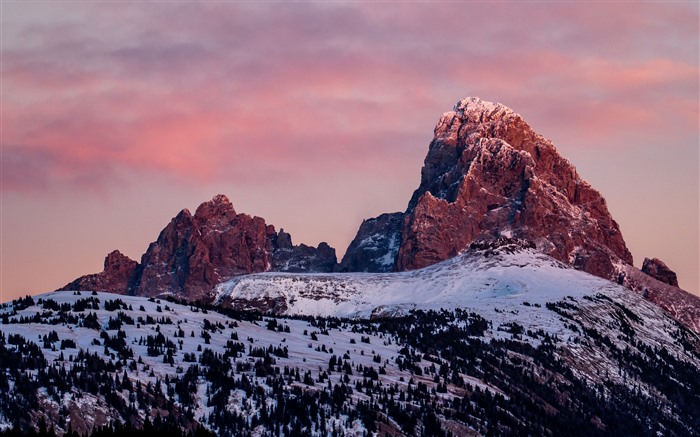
302	258
119	271
375	246
488	173
657	269
193	253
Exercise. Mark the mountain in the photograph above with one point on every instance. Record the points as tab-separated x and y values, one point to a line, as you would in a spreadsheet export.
489	174
501	340
287	257
193	253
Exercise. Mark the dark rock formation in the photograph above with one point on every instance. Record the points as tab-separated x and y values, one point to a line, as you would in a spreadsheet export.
487	173
375	246
194	253
302	258
680	304
657	269
119	271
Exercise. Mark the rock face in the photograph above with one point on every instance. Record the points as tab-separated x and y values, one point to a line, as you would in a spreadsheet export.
194	253
302	258
657	269
487	174
375	246
119	271
680	304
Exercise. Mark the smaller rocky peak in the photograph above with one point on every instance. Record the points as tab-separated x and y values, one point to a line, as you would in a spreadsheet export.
184	215
218	206
179	225
475	110
116	261
284	240
657	269
325	248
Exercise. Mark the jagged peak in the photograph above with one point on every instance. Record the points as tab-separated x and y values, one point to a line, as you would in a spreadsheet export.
115	260
115	256
219	205
475	110
184	213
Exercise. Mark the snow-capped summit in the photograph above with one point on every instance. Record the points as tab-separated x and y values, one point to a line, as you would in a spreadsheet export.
488	173
476	110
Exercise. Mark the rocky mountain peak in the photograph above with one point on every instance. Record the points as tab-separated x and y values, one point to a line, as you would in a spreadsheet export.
116	261
487	174
284	240
218	207
475	110
193	254
119	271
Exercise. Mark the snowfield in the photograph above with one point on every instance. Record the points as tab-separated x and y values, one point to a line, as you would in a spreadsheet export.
509	283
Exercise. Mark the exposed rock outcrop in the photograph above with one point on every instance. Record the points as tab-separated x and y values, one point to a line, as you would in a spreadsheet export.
375	246
302	258
119	271
657	269
680	304
194	253
487	173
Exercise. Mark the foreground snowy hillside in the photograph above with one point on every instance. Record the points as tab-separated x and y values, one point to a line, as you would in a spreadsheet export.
501	341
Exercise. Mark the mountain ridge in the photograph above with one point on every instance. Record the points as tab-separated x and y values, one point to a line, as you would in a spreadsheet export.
193	253
487	174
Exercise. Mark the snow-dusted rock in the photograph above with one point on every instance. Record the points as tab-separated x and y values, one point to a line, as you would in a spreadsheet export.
488	173
375	246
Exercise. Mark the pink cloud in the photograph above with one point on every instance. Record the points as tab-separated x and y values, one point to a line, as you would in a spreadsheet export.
207	92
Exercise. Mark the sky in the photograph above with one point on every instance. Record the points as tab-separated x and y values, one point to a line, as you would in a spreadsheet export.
316	115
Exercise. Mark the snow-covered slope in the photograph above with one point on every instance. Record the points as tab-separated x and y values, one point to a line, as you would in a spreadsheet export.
505	281
502	274
524	344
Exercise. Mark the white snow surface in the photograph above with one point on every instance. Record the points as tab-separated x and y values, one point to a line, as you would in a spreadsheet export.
473	280
509	285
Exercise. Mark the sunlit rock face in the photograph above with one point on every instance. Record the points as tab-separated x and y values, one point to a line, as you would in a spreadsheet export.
489	174
194	253
119	272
